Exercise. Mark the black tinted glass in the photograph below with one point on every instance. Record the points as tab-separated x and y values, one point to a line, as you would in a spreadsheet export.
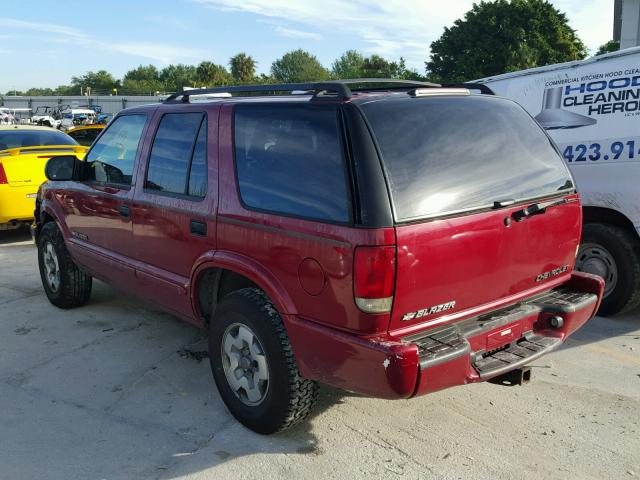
289	160
33	138
112	158
85	137
449	154
171	153
198	176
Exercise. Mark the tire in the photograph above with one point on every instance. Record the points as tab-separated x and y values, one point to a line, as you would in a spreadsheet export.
614	254
276	402
64	283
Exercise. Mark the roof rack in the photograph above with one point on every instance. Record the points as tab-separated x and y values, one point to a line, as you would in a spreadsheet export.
340	89
335	89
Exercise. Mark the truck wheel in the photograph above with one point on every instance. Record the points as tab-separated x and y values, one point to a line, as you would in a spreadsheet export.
254	366
64	283
613	254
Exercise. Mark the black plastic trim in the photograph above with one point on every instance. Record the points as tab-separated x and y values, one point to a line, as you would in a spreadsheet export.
373	195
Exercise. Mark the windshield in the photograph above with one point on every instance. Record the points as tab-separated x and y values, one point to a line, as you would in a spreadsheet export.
33	138
444	155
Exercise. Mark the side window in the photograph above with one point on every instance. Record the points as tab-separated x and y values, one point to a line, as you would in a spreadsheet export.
178	160
112	158
289	160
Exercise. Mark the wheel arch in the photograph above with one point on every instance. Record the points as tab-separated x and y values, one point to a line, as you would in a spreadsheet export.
608	216
48	214
220	273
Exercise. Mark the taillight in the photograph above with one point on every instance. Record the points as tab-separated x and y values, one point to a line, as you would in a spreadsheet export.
374	271
3	176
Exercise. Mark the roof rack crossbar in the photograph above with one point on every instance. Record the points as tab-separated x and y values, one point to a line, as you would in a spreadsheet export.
471	86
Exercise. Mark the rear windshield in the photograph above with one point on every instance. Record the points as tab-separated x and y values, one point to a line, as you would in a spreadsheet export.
444	155
33	138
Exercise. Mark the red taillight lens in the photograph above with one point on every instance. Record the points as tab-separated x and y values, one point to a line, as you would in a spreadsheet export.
374	272
3	176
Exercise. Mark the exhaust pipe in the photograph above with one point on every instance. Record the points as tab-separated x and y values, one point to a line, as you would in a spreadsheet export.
519	376
12	225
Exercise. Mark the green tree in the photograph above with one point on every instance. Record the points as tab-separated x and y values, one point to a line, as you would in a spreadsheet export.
176	77
610	46
213	75
503	36
349	65
298	66
143	73
144	79
243	68
68	90
101	81
38	92
353	64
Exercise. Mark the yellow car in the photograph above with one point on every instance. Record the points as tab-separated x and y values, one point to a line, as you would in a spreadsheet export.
86	134
24	151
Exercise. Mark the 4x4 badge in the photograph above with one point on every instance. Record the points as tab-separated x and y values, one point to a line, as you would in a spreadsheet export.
443	307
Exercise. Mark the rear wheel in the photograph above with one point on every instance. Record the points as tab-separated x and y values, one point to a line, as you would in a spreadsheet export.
64	283
612	253
254	366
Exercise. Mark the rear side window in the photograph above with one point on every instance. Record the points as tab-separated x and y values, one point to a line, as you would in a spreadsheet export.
444	155
33	138
178	160
289	160
112	158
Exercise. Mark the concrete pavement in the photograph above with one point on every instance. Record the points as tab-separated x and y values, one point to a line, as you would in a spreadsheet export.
118	390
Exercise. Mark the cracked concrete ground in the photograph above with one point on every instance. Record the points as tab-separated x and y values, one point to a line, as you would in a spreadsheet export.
115	390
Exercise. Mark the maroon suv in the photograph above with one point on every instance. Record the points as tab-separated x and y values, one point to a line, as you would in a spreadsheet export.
389	238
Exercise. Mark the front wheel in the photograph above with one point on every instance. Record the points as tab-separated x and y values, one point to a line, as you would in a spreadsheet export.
253	364
64	283
612	253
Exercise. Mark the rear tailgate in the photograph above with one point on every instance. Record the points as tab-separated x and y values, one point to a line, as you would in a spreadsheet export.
25	166
485	208
449	267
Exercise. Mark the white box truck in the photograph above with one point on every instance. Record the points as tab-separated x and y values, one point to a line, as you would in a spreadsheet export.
591	108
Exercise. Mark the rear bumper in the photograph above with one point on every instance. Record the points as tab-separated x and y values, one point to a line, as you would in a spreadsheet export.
17	203
471	350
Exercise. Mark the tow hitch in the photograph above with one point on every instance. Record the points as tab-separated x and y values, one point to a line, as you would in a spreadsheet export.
518	376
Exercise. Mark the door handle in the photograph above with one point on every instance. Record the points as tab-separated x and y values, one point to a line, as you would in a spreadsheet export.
198	228
124	211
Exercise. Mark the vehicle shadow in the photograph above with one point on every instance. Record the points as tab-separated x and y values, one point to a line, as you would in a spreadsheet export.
126	388
18	235
600	328
119	389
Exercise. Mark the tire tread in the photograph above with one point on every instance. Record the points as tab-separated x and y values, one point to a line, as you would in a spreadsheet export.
75	285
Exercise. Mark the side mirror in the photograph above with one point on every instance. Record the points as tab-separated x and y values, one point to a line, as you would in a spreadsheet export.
61	168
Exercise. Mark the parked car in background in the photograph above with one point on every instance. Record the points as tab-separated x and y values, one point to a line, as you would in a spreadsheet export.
24	151
74	117
47	116
389	238
13	116
86	134
591	108
5	116
103	118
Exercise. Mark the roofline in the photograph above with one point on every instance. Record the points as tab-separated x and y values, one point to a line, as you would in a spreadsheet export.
561	66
